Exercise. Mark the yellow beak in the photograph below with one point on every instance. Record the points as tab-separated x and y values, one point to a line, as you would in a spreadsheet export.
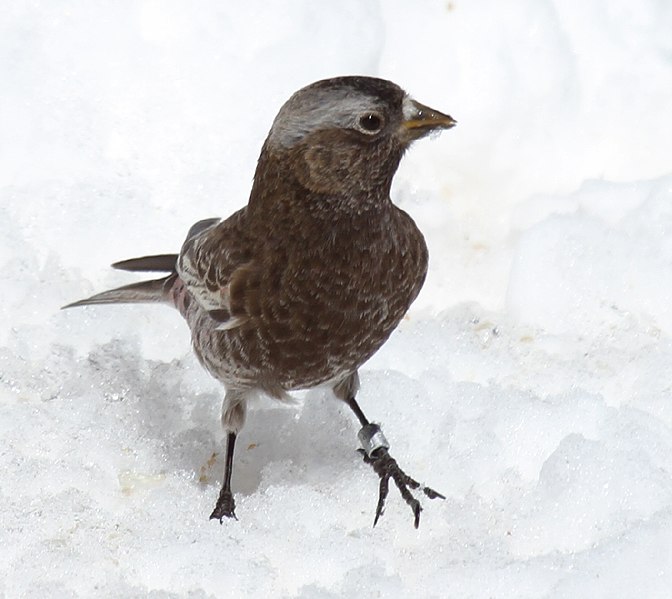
420	120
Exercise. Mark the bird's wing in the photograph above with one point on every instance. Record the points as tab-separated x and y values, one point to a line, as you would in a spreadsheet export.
215	255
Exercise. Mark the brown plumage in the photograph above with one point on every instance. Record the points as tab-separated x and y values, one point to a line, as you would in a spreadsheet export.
304	284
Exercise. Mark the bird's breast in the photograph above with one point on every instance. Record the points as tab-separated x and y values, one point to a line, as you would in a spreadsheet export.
327	307
316	307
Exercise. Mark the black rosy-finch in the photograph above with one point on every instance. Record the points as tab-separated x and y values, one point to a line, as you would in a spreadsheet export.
304	284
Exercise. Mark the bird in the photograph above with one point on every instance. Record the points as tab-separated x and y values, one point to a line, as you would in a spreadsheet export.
301	286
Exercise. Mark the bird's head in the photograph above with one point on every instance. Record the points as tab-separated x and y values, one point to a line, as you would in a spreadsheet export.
346	136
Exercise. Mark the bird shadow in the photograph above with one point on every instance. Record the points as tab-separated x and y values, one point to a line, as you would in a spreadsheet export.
311	441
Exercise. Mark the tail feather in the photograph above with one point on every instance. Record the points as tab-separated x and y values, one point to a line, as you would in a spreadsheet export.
160	263
155	291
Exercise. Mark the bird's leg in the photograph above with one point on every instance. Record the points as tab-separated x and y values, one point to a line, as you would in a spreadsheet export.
225	504
233	418
375	451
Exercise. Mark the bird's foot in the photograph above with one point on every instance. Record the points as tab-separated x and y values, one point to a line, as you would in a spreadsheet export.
225	506
376	454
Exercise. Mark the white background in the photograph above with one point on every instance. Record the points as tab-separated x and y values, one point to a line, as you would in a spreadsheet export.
530	382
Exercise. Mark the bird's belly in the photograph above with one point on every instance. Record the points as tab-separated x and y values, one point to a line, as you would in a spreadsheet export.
331	334
318	325
314	343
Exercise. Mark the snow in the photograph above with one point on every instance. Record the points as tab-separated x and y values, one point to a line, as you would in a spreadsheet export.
530	382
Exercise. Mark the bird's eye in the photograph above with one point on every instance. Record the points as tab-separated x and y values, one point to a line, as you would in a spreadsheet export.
370	122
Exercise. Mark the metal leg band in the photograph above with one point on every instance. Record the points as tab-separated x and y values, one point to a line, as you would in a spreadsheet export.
372	439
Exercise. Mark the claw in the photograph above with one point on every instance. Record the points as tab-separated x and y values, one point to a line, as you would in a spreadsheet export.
432	494
225	507
382	495
386	467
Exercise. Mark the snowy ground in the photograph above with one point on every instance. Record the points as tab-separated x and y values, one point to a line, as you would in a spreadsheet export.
530	383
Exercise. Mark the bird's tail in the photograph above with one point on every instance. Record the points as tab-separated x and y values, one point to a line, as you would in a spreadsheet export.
154	291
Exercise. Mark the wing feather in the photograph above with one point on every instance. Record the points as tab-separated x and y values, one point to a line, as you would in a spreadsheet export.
213	255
